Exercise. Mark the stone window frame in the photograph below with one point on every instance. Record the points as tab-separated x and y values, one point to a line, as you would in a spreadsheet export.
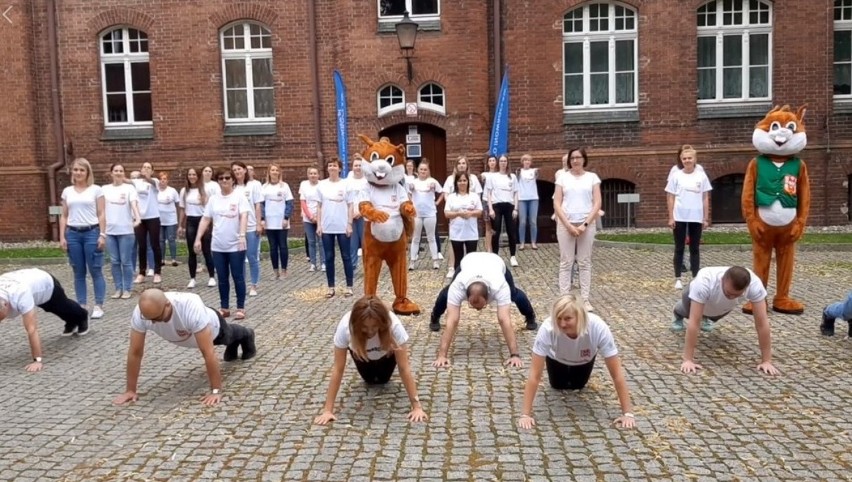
843	26
127	58
395	96
248	53
409	7
432	95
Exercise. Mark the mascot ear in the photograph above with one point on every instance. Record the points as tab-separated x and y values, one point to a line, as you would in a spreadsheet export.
401	150
800	114
366	140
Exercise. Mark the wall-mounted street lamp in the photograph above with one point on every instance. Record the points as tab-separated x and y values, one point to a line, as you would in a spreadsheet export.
406	33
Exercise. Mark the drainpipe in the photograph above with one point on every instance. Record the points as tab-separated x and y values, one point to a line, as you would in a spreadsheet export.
58	134
313	56
498	60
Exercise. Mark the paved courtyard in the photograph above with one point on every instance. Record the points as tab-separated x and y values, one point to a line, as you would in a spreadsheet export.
727	423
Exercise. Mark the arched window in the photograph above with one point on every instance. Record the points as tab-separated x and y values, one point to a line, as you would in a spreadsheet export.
431	97
125	78
390	98
726	199
600	57
734	51
616	213
843	49
247	74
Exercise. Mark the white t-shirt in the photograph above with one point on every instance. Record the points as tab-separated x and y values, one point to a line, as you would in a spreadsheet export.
551	342
308	192
484	190
502	188
527	188
688	190
275	197
189	316
578	195
225	213
423	196
117	208
253	193
463	229
168	199
408	180
334	198
191	202
373	346
25	289
474	187
356	187
211	188
82	206
387	200
487	268
146	194
675	169
706	288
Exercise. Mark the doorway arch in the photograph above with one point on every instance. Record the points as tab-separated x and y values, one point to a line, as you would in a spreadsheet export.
726	199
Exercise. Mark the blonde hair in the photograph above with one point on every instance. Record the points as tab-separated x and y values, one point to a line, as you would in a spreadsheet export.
570	304
370	308
280	173
688	149
82	161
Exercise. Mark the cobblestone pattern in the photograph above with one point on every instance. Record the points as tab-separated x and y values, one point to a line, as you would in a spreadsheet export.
726	423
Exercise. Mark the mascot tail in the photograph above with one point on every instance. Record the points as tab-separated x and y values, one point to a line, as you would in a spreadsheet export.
408	226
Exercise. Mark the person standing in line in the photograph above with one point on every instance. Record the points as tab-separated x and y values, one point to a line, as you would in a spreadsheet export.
475	188
502	189
193	198
463	209
527	202
674	170
423	191
149	229
228	211
211	187
487	218
309	202
278	207
168	200
410	174
121	210
334	223
252	191
357	184
688	201
576	202
82	233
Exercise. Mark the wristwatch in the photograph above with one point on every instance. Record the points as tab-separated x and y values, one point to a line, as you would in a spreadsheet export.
586	224
214	391
37	359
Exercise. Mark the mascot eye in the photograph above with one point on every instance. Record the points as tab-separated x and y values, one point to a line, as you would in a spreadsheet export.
792	126
775	126
390	160
374	156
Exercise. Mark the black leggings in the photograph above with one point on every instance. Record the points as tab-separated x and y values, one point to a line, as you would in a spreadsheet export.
461	248
68	311
149	227
567	377
375	372
230	333
192	223
680	231
503	212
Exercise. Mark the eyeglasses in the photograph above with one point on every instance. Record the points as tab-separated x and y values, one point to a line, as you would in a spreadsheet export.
577	157
223	178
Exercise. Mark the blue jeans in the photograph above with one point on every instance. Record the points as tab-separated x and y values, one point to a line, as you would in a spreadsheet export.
278	247
355	240
314	242
234	264
150	254
841	309
253	254
528	213
120	248
167	233
83	254
328	247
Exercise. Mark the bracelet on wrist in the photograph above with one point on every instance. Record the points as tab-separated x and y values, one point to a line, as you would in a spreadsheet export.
628	415
523	415
514	355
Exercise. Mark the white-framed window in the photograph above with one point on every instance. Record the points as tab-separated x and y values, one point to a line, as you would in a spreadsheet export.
431	97
600	57
247	78
390	98
417	9
843	49
734	51
125	78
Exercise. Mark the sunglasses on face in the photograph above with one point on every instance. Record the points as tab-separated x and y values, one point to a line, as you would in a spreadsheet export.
224	178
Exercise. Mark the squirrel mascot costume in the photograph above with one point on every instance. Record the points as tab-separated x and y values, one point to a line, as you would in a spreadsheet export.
390	220
776	200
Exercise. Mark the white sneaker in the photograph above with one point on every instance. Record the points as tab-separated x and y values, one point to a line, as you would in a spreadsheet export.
323	267
97	313
513	261
440	256
191	284
410	267
150	272
436	264
359	252
211	282
588	306
678	285
312	268
252	292
450	273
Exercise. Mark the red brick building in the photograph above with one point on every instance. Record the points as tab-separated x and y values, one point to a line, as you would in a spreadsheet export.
191	83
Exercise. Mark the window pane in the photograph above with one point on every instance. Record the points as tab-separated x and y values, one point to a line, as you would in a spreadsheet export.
732	50
240	42
106	46
599	56
266	42
237	104
574	58
261	71
384	102
599	85
573	90
623	55
624	88
438	99
842	46
116	108
235	73
142	107
391	7
114	77
707	83
732	83
842	79
140	76
758	82
264	105
424	7
254	30
706	51
758	49
229	43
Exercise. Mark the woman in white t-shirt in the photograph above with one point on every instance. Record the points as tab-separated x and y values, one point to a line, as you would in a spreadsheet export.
309	204
463	208
423	191
168	200
357	185
378	343
277	207
410	174
688	202
527	202
475	188
334	224
211	187
228	212
148	231
576	202
502	190
567	344
252	191
487	221
82	233
121	211
193	198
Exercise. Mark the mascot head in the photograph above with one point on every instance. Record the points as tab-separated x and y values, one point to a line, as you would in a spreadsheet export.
384	163
781	133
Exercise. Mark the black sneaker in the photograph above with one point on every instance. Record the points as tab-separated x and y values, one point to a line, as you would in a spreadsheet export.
249	348
69	329
231	352
83	327
532	325
435	325
827	326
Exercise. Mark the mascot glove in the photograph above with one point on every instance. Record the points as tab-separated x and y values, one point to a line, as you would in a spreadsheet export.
407	209
372	214
796	231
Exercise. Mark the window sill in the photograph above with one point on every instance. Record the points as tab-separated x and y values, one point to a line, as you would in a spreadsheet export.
584	117
389	26
250	130
725	111
127	133
842	106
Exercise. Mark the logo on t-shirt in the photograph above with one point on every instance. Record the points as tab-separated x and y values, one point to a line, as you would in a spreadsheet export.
184	333
586	353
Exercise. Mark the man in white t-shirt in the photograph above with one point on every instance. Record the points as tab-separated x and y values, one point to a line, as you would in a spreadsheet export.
712	294
481	279
21	291
183	319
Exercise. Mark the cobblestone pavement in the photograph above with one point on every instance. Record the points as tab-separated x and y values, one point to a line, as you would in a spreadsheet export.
726	423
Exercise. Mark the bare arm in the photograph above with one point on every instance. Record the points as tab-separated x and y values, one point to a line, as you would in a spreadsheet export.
596	204
452	322
333	387
31	327
204	338
706	205
530	389
764	337
63	222
134	209
134	365
505	319
560	214
404	364
99	205
696	311
613	365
